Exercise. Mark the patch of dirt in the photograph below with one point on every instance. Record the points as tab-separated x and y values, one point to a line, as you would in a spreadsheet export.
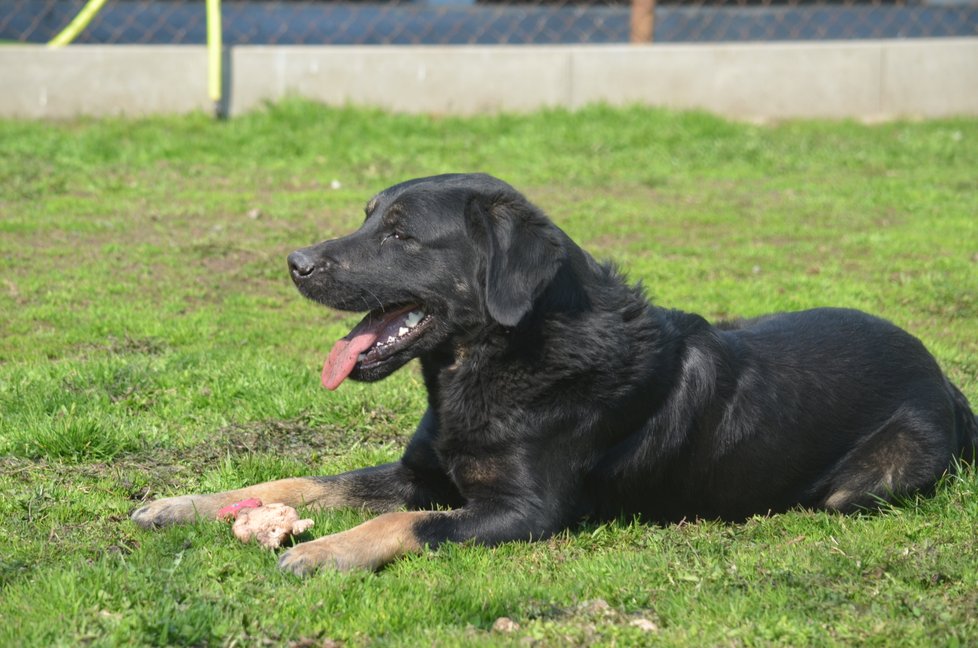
127	344
587	617
314	643
294	439
149	472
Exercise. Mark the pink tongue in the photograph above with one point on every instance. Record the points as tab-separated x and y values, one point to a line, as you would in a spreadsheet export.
343	357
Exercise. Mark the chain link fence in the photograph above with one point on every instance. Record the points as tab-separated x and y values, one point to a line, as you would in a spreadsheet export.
450	22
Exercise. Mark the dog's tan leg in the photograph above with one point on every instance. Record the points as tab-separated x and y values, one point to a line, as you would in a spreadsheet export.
377	542
297	491
370	545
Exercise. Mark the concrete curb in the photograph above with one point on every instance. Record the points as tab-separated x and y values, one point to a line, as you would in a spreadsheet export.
867	80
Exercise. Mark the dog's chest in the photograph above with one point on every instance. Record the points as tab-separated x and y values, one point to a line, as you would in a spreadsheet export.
476	394
474	407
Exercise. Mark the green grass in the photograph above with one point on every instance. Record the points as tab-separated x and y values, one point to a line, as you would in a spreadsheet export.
151	344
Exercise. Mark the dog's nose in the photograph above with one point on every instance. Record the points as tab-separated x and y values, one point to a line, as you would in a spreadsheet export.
300	265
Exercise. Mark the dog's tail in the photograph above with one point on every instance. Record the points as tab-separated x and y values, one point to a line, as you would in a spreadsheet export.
966	426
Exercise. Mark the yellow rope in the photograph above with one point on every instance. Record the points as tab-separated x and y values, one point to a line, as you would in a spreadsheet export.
76	26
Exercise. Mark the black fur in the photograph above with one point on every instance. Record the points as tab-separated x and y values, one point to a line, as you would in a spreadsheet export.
557	393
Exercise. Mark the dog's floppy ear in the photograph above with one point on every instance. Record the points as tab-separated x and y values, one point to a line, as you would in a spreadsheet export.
524	250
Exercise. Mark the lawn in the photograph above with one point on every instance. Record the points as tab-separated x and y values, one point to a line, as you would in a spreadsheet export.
151	344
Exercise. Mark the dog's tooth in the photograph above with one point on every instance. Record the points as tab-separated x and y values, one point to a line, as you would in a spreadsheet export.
402	331
413	318
361	357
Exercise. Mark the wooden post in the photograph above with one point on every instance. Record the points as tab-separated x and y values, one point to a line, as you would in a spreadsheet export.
643	21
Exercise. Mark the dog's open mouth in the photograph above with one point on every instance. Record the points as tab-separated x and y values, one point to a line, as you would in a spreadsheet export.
377	337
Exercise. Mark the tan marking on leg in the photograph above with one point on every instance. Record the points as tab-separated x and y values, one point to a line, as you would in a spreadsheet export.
839	500
887	482
370	545
294	491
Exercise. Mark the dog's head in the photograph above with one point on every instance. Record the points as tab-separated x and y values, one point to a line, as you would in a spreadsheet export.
437	260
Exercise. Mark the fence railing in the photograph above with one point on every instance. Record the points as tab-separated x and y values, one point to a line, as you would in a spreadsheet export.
402	22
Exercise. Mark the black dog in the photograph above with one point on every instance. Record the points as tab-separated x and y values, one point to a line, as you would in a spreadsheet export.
556	392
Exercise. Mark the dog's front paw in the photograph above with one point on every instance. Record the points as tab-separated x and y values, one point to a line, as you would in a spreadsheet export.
306	558
370	546
331	552
172	510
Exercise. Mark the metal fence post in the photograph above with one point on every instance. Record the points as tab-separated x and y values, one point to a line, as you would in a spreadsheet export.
215	58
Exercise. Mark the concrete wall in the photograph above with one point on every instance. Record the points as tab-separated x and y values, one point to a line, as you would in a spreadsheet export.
102	80
858	79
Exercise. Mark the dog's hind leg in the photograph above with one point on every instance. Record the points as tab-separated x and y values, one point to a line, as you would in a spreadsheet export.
908	454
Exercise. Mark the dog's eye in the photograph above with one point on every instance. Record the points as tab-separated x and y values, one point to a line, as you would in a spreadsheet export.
398	235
